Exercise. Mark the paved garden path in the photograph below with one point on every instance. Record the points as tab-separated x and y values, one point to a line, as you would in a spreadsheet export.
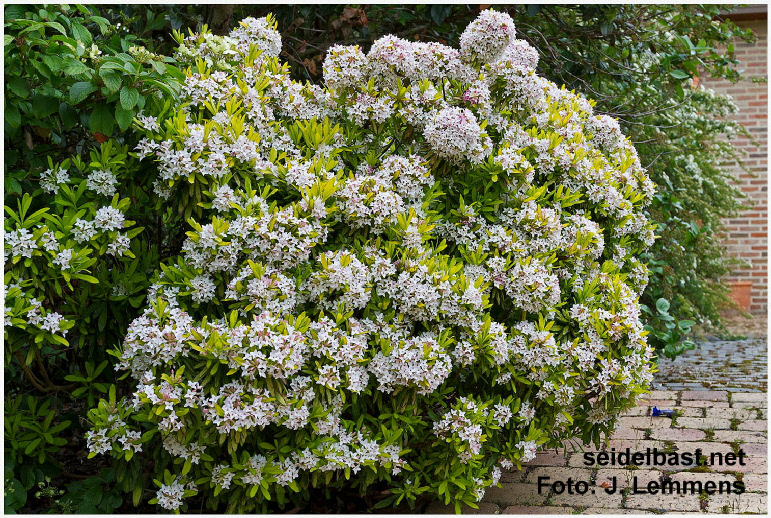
731	365
725	422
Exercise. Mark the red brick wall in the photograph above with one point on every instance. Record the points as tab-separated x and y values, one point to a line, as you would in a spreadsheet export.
747	236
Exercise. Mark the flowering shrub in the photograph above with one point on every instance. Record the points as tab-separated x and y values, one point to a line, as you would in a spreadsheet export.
420	273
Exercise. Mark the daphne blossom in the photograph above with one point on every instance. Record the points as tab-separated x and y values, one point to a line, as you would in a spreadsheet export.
102	182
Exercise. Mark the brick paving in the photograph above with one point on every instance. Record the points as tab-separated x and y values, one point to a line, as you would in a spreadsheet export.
730	365
719	395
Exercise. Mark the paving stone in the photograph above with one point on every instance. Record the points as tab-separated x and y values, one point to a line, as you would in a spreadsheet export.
548	458
626	432
756	425
514	475
440	508
749	397
711	451
703	404
756	465
602	510
731	413
754	449
760	404
662	394
678	434
596	497
561	474
703	423
745	503
645	422
754	482
665	403
663	502
625	477
748	379
515	494
704	395
753	404
520	509
689	411
732	435
709	368
577	461
637	411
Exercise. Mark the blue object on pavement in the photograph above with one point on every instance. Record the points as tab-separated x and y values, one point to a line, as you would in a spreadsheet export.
663	413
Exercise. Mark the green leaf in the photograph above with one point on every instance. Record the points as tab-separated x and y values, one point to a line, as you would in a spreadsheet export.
129	96
18	86
137	495
123	117
679	91
80	91
12	116
44	105
75	67
662	305
68	115
87	278
111	80
94	495
103	23
439	13
12	185
159	67
82	34
15	12
57	27
102	120
53	62
32	446
678	74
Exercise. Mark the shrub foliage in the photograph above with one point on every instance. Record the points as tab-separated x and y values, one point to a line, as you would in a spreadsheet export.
418	273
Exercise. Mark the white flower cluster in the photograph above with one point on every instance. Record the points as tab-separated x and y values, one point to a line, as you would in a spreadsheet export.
102	182
463	422
455	133
51	179
170	496
488	36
